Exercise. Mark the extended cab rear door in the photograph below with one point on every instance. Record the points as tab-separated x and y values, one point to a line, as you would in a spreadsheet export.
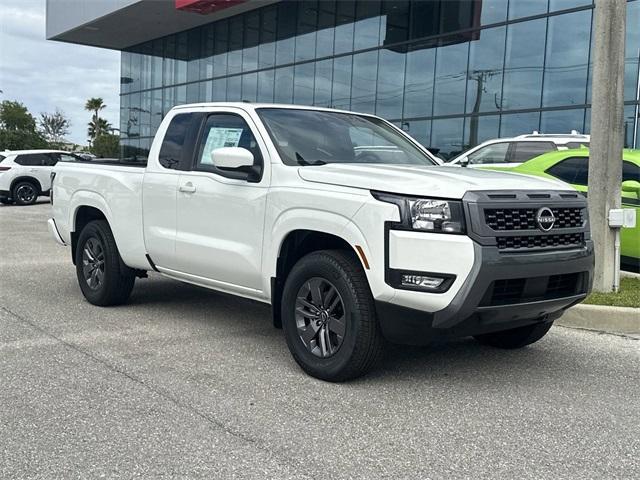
160	185
220	212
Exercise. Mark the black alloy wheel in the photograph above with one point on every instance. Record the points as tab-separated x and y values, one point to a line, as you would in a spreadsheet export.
320	317
93	263
25	193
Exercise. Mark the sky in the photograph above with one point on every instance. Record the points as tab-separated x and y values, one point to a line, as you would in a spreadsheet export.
45	75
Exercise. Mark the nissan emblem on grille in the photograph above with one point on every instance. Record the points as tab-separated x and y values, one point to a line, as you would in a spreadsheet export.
545	219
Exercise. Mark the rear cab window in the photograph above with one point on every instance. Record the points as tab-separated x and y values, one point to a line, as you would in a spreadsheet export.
177	144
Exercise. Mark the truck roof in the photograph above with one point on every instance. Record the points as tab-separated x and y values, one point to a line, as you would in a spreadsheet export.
254	106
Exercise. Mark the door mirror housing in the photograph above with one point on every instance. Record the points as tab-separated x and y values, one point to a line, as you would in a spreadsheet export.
232	157
464	161
631	186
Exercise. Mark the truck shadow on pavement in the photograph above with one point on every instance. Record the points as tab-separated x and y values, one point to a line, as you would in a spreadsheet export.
222	315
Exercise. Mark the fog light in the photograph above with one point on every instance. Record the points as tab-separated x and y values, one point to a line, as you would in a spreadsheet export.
421	281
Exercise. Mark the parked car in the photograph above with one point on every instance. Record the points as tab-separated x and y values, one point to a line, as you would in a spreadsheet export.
572	166
25	174
510	152
280	205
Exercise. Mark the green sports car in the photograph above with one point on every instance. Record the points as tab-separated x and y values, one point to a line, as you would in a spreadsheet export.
571	166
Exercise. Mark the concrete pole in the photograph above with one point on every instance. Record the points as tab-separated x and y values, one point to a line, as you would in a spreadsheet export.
607	133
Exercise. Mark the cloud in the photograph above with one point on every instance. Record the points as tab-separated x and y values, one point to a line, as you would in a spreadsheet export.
45	75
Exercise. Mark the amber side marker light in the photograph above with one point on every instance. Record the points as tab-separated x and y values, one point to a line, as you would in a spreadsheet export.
363	257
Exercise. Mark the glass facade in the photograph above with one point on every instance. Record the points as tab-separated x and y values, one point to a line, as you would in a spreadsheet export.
452	73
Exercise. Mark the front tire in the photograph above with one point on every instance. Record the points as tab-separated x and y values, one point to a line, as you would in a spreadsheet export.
103	278
328	317
515	337
25	193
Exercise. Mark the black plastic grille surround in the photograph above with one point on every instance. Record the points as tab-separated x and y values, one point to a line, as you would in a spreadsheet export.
518	290
562	240
503	219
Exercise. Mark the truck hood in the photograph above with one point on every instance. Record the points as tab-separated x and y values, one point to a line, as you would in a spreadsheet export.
436	181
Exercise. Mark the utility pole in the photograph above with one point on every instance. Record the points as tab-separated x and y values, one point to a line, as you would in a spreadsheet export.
607	133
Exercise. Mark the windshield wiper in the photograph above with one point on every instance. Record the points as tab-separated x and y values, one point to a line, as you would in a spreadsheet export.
309	163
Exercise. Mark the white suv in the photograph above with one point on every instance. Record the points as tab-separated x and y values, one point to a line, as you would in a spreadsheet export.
26	174
510	152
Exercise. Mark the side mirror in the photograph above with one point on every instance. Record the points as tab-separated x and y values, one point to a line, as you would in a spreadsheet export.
631	186
232	157
464	162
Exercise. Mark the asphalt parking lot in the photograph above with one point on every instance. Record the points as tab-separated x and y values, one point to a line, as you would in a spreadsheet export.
188	383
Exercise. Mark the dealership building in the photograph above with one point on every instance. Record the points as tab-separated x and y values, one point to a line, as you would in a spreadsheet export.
450	72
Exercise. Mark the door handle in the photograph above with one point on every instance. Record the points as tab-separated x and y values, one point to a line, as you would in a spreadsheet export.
187	188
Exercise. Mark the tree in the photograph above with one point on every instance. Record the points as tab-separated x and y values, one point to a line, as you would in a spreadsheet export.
95	105
98	127
18	128
106	146
54	126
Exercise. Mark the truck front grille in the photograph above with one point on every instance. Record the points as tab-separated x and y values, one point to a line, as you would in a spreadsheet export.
528	242
504	219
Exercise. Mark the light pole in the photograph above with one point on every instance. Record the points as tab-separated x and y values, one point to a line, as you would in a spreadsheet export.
607	133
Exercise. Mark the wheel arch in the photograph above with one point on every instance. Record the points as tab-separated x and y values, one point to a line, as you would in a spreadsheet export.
82	215
293	246
25	178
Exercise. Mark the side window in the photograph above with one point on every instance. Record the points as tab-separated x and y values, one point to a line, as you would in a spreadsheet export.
523	151
30	160
574	170
50	159
172	145
226	130
630	171
495	153
571	145
65	157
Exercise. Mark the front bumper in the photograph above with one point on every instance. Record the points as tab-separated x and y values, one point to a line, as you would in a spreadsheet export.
501	292
5	194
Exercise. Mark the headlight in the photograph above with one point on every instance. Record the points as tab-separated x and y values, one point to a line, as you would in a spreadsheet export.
426	214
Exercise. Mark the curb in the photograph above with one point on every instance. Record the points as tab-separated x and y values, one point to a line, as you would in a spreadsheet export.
625	320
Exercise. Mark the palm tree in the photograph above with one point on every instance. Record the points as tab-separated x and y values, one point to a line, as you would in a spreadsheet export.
98	127
95	105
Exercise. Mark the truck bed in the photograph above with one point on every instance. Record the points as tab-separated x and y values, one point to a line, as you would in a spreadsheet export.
114	188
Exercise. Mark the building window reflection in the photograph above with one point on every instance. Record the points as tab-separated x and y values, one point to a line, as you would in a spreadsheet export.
452	73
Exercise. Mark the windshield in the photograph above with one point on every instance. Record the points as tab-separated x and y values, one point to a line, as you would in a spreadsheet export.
314	137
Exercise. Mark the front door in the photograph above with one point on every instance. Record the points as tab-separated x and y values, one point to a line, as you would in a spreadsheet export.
220	213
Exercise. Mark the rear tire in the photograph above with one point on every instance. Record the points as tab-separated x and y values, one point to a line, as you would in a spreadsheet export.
25	193
328	317
516	337
103	277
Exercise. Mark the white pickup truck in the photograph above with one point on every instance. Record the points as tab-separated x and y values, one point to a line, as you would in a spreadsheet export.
350	229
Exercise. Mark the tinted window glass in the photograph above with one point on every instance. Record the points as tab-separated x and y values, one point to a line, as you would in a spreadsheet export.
523	64
496	153
171	150
226	130
50	159
571	145
574	170
523	151
630	171
31	160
